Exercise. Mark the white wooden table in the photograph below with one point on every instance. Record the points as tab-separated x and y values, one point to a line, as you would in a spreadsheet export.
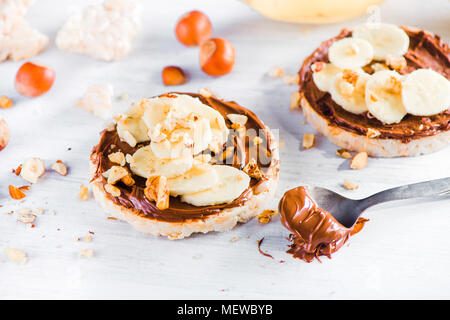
401	253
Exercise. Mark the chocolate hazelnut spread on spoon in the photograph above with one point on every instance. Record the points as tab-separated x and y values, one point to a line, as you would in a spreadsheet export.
315	232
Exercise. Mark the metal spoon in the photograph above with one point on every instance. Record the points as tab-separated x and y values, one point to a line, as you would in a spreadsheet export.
347	211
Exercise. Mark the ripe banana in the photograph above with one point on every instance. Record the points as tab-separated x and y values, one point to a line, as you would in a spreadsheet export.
425	93
350	53
348	90
324	74
386	39
384	97
200	177
231	183
144	163
135	126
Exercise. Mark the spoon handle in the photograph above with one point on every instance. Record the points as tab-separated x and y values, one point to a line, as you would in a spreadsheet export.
416	190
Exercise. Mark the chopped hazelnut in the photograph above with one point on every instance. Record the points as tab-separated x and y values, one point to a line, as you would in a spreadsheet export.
291	79
350	185
253	170
205	92
236	118
117	157
87	238
16	193
359	161
157	190
372	133
32	170
26	218
343	153
396	63
60	167
308	140
5	102
112	190
295	100
129	138
276	72
115	173
128	180
16	255
86	253
266	216
84	193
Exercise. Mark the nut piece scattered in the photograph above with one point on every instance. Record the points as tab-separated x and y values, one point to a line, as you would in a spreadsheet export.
112	190
396	63
84	193
308	140
295	100
128	180
266	216
4	133
60	167
252	169
276	72
372	133
5	102
26	217
344	153
173	76
86	253
359	161
156	189
16	193
16	255
350	185
291	79
205	92
115	173
117	157
32	170
236	118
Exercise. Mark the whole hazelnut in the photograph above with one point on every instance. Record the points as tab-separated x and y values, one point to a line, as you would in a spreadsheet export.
173	75
217	57
193	28
33	80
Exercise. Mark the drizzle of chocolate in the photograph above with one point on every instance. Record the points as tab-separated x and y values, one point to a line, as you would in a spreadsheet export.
133	197
315	232
425	51
259	242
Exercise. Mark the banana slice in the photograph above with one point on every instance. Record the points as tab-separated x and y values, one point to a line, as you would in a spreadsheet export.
384	96
200	177
324	74
216	120
172	150
350	53
425	93
348	90
386	39
144	163
232	182
135	126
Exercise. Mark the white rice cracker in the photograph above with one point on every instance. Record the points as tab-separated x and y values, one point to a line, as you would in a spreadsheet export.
18	40
103	32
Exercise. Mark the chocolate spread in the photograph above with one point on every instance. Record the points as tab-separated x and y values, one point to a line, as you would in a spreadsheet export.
425	51
178	211
315	232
